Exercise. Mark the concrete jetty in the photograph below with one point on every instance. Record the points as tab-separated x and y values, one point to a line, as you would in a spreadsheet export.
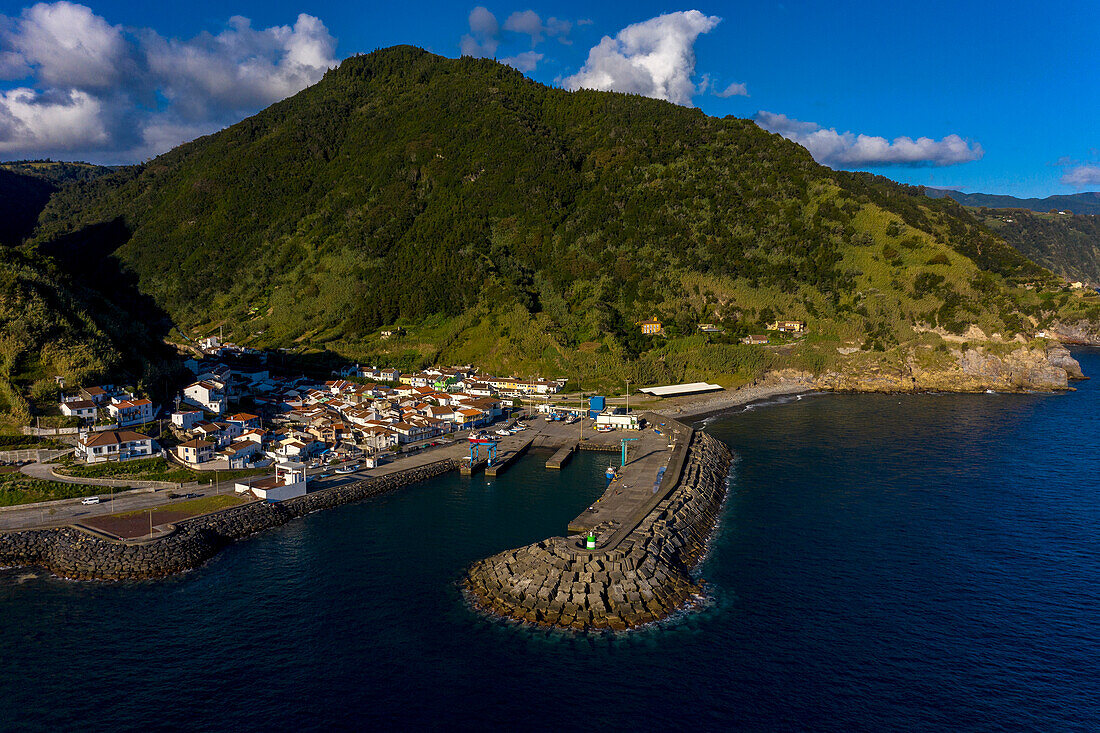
469	469
561	457
650	531
508	456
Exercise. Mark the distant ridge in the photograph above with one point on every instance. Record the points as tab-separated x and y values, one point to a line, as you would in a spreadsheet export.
1087	202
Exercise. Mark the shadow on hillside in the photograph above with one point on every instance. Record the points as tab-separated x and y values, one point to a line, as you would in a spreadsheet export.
22	199
112	294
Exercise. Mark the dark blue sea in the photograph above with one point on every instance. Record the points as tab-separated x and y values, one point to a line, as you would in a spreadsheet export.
883	563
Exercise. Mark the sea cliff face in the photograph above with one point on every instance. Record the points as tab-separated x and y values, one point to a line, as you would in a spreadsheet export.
1085	333
964	369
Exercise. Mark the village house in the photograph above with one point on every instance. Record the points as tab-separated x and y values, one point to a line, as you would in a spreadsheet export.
755	339
245	420
131	412
241	453
469	417
114	445
377	438
100	395
787	326
83	409
196	451
187	419
651	327
207	395
710	328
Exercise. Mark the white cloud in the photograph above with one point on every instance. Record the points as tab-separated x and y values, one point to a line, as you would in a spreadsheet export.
483	38
525	61
847	149
50	121
528	22
736	89
1082	176
655	58
113	94
241	67
68	45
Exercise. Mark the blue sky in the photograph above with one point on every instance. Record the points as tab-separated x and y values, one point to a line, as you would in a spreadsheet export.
963	94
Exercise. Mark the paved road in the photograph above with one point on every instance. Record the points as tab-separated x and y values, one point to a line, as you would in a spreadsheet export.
43	471
74	511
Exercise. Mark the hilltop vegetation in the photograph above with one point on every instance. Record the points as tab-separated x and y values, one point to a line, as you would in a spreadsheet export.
526	229
1067	244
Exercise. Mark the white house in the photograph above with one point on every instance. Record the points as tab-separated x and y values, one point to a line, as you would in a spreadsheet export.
289	482
208	395
114	445
131	412
195	451
245	420
186	419
84	409
242	452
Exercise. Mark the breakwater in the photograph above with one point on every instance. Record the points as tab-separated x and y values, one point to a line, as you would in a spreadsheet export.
629	580
73	553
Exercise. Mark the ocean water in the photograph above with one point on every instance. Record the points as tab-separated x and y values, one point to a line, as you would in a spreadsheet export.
883	563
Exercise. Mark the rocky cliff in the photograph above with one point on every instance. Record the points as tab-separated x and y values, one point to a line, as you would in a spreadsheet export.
961	369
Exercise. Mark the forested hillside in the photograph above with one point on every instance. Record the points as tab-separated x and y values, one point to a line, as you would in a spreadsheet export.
1066	244
527	228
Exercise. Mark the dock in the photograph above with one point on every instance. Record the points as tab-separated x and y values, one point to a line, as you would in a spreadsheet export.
562	457
467	469
640	483
506	457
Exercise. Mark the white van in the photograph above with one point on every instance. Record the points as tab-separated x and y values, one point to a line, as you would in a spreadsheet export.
90	500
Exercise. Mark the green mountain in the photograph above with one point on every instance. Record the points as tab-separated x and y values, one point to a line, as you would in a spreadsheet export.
26	186
527	229
1078	203
1066	244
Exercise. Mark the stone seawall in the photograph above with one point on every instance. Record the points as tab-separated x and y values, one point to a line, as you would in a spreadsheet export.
642	578
73	553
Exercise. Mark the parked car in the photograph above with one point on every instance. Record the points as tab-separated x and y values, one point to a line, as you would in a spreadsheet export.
89	500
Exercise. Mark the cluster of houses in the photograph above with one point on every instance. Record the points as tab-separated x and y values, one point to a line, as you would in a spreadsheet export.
302	419
107	403
305	420
653	327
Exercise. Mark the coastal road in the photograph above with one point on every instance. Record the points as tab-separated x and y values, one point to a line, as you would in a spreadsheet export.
72	510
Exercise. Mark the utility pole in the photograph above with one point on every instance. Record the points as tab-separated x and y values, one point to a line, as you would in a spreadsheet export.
627	396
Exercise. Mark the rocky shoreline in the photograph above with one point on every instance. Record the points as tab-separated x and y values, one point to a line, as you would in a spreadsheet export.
639	579
72	553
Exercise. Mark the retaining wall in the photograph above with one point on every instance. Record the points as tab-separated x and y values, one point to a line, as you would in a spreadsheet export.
73	553
644	578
